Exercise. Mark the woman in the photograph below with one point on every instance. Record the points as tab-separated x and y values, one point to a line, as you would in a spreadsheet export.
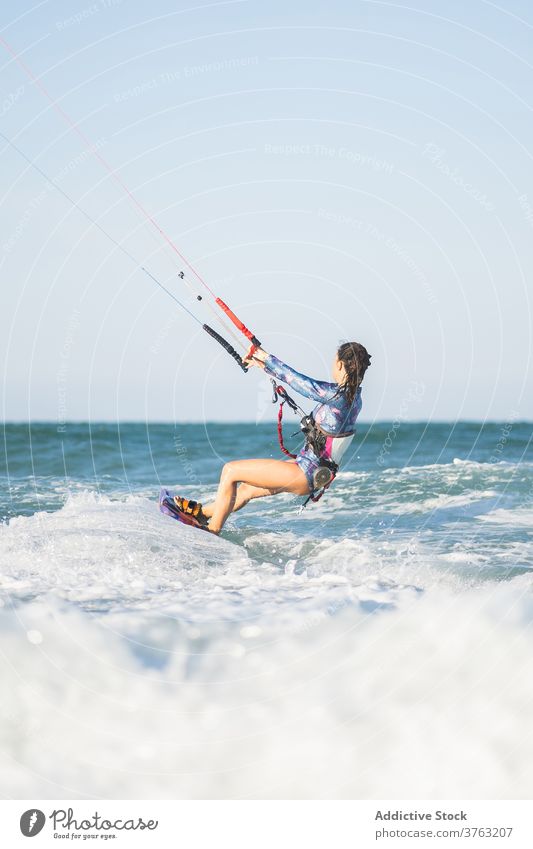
339	404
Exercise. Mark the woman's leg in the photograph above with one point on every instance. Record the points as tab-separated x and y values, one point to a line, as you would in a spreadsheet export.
271	476
245	494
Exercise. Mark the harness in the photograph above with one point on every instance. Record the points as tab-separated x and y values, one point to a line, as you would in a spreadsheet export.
315	439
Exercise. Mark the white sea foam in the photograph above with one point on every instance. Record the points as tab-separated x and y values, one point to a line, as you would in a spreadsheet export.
471	503
141	659
113	555
337	709
519	517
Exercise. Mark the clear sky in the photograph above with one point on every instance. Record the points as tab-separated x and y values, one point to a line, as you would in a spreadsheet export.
345	170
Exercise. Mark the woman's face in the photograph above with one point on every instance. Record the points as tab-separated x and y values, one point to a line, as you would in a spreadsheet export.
338	371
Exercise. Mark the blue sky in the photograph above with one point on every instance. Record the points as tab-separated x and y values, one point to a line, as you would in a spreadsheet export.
335	171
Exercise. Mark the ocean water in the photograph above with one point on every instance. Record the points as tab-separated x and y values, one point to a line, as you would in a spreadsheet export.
378	645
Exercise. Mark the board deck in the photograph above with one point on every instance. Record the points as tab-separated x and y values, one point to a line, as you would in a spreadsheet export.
169	508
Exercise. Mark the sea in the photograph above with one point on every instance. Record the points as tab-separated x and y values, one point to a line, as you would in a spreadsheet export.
378	644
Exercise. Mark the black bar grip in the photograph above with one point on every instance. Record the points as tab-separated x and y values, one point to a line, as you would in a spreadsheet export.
227	347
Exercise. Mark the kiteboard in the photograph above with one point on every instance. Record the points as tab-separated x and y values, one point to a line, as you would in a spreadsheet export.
168	506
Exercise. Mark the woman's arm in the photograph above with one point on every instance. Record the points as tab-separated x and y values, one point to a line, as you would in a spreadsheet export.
317	390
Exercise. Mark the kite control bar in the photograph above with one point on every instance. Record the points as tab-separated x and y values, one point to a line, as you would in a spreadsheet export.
227	347
242	327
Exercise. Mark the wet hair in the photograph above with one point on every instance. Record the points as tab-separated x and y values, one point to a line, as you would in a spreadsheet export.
355	359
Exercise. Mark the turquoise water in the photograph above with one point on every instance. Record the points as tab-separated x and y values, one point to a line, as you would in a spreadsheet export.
305	654
39	462
427	480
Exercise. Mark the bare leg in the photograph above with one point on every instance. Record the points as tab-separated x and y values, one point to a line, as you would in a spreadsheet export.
245	494
269	476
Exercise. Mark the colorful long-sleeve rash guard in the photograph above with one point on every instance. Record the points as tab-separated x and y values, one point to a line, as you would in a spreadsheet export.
334	414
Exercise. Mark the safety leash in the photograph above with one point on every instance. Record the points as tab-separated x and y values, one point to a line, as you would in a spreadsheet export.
279	392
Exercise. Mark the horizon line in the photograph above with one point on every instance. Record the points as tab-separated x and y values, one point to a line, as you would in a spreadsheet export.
97	421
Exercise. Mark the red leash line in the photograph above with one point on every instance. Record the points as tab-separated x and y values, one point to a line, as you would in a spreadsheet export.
242	327
280	434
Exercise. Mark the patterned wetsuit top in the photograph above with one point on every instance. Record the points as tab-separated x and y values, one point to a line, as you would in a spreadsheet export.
334	414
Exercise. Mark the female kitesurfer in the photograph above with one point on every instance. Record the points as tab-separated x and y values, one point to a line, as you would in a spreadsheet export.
329	431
